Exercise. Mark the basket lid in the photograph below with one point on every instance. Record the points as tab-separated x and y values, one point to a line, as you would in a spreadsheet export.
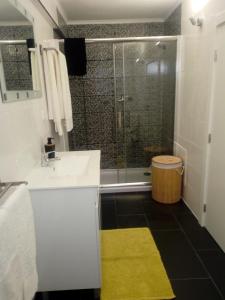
166	159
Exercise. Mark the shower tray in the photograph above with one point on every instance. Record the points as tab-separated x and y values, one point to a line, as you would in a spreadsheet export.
125	180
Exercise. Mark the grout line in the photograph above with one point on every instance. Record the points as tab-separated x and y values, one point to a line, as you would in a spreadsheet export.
165	230
115	208
189	278
210	249
129	215
147	222
115	204
199	258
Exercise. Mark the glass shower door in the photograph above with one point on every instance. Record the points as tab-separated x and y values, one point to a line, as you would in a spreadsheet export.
144	74
119	91
118	54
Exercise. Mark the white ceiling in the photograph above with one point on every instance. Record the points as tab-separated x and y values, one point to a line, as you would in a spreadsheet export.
81	11
10	15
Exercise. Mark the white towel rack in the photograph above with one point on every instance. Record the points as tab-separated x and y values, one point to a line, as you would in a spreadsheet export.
5	186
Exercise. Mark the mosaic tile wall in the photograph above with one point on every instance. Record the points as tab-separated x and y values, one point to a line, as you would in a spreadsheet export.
15	57
93	97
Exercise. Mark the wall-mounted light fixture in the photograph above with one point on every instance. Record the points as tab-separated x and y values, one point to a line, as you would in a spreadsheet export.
196	21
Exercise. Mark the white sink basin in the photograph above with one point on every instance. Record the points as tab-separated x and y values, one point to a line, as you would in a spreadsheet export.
74	169
70	166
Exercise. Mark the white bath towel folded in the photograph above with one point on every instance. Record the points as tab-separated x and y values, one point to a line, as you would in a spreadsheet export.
55	111
18	273
35	70
57	87
66	96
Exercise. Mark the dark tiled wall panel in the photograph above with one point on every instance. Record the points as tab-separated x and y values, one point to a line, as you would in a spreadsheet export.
93	105
15	58
93	94
16	32
93	98
115	30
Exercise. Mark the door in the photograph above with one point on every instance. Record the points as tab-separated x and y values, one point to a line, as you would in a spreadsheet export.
215	216
144	78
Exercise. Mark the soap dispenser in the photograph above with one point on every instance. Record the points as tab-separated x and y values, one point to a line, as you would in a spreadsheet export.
50	147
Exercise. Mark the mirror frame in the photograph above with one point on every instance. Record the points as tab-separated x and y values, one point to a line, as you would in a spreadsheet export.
9	96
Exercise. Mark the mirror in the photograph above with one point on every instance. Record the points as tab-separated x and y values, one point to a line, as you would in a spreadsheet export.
19	77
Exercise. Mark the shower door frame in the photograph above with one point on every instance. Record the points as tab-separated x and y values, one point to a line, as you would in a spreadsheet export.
154	38
144	186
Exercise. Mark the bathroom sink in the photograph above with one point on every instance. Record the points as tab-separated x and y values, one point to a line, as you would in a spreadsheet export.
70	165
74	169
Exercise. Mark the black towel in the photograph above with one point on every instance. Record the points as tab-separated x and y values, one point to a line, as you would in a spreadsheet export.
75	52
30	44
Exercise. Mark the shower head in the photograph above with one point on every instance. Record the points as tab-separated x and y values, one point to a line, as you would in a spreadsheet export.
142	60
160	45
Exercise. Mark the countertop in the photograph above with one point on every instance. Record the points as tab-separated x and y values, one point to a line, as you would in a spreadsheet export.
75	169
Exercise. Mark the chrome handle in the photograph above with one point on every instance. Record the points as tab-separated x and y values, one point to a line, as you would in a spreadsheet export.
121	99
119	117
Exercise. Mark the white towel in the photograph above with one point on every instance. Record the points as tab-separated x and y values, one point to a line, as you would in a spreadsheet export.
18	273
57	85
54	107
34	68
66	96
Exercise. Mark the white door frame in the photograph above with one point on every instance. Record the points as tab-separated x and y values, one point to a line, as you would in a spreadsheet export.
178	87
218	21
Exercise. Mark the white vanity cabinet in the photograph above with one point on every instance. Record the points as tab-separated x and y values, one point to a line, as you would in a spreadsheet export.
65	199
68	238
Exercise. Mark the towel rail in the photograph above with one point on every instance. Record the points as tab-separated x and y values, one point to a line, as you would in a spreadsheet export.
47	48
5	186
106	40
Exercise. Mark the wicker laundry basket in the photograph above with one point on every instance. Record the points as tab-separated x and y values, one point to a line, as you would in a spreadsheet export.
167	174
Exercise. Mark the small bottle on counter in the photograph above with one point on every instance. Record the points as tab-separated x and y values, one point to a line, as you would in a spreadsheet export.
50	147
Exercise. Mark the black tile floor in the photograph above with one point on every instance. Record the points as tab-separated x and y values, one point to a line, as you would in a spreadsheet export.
194	262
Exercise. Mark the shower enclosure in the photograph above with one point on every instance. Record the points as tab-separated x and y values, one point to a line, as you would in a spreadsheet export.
144	91
143	73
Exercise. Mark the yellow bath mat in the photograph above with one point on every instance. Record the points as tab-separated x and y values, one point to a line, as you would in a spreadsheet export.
131	266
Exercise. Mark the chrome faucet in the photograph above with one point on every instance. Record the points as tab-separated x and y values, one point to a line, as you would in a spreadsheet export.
45	158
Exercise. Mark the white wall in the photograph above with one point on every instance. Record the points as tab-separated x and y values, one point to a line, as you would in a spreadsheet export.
52	6
193	111
24	125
